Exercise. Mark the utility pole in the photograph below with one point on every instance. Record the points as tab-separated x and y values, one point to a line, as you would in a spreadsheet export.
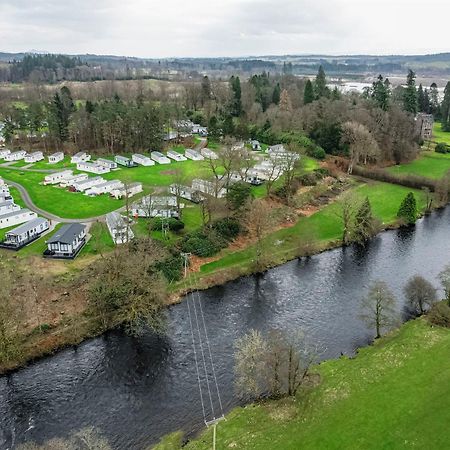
214	423
186	262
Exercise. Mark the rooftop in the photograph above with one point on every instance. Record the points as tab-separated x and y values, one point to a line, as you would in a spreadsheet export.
67	233
27	226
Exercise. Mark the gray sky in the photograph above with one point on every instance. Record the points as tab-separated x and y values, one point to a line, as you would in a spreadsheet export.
164	28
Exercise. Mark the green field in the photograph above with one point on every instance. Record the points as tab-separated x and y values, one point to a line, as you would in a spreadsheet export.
429	164
393	395
439	135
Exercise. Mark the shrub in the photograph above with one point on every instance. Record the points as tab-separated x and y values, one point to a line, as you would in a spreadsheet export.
171	268
315	151
408	209
322	171
227	228
442	148
175	225
440	315
201	244
309	179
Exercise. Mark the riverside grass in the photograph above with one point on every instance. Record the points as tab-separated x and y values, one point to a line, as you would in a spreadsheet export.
393	395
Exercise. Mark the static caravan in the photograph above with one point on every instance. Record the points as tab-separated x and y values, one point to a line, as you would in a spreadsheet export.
193	154
24	234
4	188
142	160
159	158
7	207
34	157
106	163
56	158
119	228
104	188
208	153
92	168
80	157
16	218
4	153
6	197
124	161
83	185
15	156
172	154
198	129
186	192
251	177
67	242
151	206
58	177
70	181
209	188
255	145
127	191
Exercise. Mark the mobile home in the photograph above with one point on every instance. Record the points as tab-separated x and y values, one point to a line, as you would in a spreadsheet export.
186	192
106	163
4	153
208	153
156	206
15	156
58	177
172	154
119	228
92	168
209	188
16	218
70	181
124	161
34	157
193	154
56	158
142	160
24	234
7	207
159	158
80	157
67	242
83	185
104	188
127	191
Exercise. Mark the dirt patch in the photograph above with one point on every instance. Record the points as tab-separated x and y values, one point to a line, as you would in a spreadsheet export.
168	172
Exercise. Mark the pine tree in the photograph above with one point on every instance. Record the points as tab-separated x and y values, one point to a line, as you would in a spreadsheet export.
276	94
410	103
236	108
308	94
408	210
421	98
434	101
364	223
321	84
445	109
381	93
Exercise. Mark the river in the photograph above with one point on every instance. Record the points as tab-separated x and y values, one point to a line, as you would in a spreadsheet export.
134	390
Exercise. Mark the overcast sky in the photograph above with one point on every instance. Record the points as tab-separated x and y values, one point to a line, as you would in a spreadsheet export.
168	28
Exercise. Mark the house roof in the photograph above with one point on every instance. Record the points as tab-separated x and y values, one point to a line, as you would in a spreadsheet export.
67	233
28	226
56	154
15	213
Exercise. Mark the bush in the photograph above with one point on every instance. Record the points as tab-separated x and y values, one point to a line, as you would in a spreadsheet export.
408	209
440	315
201	244
228	228
175	225
316	152
322	171
171	268
309	179
442	148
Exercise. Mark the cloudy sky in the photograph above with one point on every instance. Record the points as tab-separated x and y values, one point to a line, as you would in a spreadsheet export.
166	28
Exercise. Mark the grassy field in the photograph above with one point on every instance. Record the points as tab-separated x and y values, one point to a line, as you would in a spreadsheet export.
439	135
393	395
429	164
324	226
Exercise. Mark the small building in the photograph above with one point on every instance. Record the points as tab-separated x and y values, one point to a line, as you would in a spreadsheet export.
209	188
92	168
160	158
15	156
424	125
251	177
156	206
70	181
25	234
80	157
142	160
193	154
106	163
186	192
4	152
172	154
124	161
58	177
104	188
16	218
170	136
208	153
7	207
119	228
56	158
83	185
255	145
34	157
277	148
67	242
198	129
127	191
6	197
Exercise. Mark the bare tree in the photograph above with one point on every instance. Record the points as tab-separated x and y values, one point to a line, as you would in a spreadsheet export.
346	212
420	294
378	307
444	277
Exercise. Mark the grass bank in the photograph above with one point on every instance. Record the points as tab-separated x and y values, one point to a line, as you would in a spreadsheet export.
394	394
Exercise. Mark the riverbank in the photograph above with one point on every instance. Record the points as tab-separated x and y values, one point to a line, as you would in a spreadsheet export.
393	394
324	228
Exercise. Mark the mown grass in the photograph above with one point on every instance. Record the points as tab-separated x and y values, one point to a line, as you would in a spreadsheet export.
395	394
439	135
429	164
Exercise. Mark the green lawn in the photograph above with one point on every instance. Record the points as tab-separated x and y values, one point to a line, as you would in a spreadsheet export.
393	395
439	135
428	164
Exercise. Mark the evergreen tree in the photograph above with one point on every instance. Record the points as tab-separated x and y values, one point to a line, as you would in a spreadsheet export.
408	210
381	93
206	89
335	94
308	94
276	94
421	98
321	84
410	103
236	108
445	109
364	223
434	101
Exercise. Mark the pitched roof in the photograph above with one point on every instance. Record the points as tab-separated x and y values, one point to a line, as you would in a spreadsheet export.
28	226
67	233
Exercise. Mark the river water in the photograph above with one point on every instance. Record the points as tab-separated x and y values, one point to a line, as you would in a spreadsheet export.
135	390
